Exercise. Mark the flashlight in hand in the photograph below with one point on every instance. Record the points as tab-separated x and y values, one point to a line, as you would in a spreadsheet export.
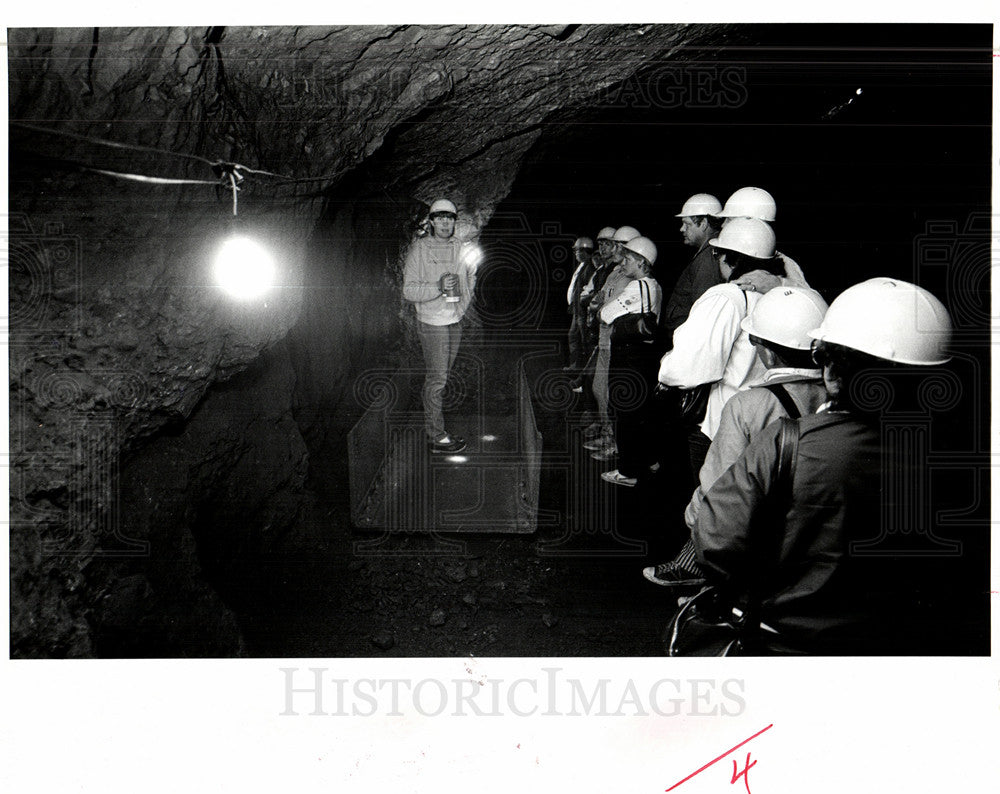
448	283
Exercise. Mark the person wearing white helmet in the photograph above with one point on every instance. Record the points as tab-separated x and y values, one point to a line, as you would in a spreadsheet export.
808	541
439	281
603	447
583	254
792	386
755	202
583	383
699	224
711	347
750	202
603	265
632	367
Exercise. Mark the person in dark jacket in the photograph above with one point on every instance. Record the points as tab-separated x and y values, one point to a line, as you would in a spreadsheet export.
699	224
819	558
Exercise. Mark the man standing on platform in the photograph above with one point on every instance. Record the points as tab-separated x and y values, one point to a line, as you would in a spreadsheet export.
439	282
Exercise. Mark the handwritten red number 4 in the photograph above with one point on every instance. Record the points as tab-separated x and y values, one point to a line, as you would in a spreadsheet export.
736	773
743	774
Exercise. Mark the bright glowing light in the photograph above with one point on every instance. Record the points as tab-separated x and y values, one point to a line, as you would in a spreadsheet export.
244	268
458	459
489	438
472	255
858	92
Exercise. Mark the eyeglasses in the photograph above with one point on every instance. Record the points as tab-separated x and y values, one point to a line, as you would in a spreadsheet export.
821	354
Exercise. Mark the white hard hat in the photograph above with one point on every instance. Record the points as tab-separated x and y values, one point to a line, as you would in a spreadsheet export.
443	205
750	202
607	233
583	242
700	204
747	236
644	247
889	319
785	316
625	233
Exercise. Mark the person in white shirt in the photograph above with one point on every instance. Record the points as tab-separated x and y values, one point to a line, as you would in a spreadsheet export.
633	365
711	347
604	447
779	328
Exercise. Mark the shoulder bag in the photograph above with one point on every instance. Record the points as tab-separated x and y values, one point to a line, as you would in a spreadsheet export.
635	327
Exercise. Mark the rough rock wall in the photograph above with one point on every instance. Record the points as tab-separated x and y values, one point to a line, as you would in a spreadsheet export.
117	334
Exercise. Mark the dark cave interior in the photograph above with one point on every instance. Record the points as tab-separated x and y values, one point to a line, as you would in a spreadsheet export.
200	508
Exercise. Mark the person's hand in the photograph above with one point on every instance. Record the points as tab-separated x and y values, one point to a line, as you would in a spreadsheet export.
758	281
448	281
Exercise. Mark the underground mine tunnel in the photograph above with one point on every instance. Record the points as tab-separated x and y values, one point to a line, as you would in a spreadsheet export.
198	474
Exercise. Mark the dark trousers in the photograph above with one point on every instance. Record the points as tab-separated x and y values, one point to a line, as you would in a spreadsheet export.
576	341
631	382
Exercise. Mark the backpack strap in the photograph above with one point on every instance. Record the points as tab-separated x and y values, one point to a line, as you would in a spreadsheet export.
779	391
788	448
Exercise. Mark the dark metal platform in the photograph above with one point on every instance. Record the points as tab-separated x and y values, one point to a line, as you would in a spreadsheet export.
398	485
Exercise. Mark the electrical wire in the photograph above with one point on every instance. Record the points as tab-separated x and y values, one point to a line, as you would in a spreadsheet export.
154	180
139	148
112	144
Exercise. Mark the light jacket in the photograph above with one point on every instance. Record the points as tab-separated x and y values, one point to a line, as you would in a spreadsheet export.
616	281
633	300
427	260
710	347
745	415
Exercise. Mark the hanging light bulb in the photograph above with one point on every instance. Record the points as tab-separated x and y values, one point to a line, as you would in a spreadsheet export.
244	268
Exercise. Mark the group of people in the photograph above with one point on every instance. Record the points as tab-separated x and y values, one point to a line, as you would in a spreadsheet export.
787	510
741	342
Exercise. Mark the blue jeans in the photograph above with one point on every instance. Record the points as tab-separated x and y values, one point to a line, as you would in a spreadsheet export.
440	346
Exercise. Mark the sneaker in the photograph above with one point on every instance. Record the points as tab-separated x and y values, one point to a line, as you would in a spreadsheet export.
615	477
597	443
606	453
669	574
447	445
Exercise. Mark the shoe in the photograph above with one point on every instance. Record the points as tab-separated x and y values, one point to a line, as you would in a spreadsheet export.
606	453
597	443
615	477
447	445
669	574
